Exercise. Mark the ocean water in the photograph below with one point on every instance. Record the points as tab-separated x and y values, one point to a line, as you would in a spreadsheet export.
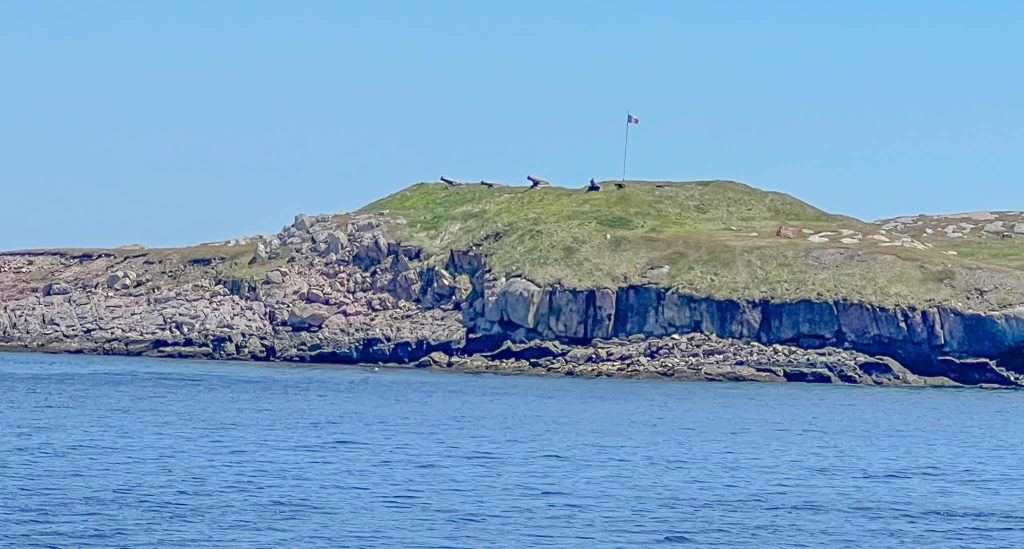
125	452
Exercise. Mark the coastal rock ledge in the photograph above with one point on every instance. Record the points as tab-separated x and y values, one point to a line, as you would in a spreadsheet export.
963	346
343	289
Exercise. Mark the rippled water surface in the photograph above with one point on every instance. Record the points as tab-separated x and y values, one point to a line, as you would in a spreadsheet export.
99	451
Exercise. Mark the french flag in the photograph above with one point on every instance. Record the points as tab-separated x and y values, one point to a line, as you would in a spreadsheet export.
630	119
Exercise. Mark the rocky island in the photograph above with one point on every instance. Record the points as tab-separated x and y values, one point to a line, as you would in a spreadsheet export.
707	280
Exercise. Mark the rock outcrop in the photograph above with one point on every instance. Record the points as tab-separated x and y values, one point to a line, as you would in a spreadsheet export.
967	347
342	289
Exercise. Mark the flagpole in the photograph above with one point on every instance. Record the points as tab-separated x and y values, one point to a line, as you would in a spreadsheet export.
625	148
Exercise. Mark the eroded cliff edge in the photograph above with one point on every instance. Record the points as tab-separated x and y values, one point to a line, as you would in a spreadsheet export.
340	289
374	287
964	346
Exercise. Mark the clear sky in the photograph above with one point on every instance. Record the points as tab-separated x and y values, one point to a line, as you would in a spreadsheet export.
171	123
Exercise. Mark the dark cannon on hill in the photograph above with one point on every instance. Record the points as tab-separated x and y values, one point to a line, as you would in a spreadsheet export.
451	182
593	186
536	182
620	185
492	184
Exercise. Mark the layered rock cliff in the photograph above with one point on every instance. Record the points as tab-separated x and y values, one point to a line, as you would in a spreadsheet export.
350	288
965	346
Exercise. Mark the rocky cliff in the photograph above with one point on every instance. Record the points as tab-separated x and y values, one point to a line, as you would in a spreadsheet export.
351	288
964	346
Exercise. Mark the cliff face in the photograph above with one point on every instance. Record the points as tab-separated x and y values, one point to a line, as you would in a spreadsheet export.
343	290
967	347
323	289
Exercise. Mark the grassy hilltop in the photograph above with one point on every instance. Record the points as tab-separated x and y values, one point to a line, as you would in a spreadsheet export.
715	238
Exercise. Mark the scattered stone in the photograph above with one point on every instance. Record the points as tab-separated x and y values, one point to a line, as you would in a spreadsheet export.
313	295
259	255
994	227
657	272
303	223
304	317
220	291
56	288
371	253
435	359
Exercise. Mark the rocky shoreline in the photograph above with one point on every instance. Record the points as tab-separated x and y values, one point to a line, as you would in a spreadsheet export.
340	289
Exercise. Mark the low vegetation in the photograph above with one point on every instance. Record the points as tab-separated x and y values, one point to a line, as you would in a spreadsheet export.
715	238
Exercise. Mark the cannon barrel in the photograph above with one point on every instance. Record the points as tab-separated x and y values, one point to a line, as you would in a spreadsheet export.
537	182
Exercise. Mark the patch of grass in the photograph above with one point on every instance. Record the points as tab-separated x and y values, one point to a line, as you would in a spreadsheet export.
701	230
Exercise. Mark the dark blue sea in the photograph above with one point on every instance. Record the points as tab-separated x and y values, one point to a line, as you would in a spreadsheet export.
125	452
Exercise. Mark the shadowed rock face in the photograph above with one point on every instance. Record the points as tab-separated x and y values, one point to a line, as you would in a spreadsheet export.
345	294
968	347
348	293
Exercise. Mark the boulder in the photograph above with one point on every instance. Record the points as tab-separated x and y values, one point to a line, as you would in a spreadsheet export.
882	367
436	359
994	227
259	255
220	291
303	222
371	253
436	287
337	241
314	295
785	232
114	278
304	317
657	272
806	375
274	277
56	288
275	249
407	286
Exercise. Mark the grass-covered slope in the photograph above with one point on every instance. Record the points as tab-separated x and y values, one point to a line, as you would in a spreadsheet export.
716	238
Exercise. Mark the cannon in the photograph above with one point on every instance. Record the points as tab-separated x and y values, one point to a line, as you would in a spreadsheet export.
451	182
536	182
492	184
593	186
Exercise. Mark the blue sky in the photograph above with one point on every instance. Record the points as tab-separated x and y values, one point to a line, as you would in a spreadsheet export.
171	123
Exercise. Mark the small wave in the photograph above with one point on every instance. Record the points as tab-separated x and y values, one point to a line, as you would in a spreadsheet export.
677	538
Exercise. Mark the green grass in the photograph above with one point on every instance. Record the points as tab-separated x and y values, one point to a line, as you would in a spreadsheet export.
700	230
